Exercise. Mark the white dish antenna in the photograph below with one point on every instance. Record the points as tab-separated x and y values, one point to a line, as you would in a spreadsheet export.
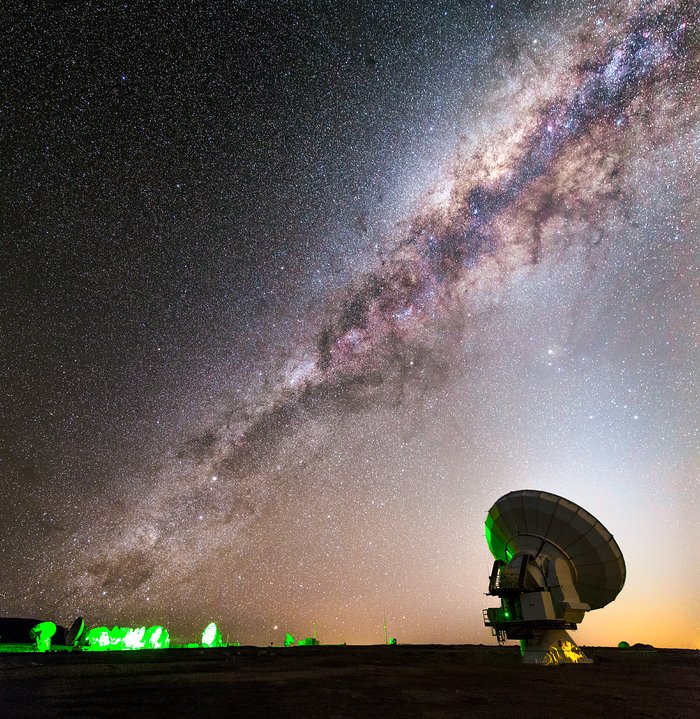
553	563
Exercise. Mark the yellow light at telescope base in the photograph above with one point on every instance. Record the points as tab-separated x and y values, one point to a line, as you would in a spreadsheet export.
552	648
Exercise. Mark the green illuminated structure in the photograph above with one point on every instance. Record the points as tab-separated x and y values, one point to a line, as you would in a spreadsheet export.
157	637
126	638
211	636
42	634
309	641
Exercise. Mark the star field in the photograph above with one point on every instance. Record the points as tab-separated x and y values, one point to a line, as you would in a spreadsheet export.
292	293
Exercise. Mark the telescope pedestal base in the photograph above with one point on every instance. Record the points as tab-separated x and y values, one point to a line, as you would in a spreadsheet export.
551	647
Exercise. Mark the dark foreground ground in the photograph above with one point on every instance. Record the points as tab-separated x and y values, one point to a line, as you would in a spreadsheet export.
356	682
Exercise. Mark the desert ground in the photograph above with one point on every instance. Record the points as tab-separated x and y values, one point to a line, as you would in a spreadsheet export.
349	681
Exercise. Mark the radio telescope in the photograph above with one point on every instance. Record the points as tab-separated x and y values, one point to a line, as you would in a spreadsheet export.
553	563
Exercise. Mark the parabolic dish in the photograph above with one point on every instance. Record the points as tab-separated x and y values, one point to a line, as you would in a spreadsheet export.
545	525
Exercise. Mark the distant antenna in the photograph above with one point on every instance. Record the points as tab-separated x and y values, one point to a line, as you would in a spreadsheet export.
211	636
553	563
75	633
314	630
386	634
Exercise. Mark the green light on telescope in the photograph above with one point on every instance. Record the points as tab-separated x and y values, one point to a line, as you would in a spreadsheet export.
42	634
126	638
211	636
134	638
157	638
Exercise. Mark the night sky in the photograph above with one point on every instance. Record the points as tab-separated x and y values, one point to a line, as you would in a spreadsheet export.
292	292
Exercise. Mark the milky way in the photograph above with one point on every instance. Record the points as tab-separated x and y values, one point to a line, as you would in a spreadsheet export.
295	499
441	251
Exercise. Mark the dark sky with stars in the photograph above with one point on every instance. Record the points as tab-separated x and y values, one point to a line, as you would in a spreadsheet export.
292	292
